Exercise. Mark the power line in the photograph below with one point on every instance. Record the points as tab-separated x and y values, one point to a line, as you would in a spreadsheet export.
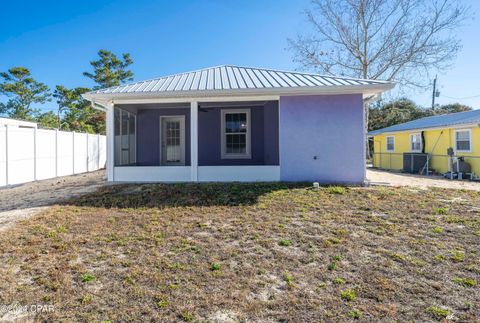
464	98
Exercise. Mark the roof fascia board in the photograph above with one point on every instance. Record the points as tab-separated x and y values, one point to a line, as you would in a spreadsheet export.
453	126
330	90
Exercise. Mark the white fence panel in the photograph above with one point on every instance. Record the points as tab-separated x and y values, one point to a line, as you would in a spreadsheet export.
93	152
28	154
80	153
3	156
45	152
65	153
103	151
20	145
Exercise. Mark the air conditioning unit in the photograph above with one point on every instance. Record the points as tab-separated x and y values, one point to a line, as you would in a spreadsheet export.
414	162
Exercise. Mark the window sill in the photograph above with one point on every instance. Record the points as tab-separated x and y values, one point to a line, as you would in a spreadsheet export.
236	157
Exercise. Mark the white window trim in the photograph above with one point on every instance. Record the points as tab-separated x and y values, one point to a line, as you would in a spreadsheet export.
386	143
455	140
248	154
421	142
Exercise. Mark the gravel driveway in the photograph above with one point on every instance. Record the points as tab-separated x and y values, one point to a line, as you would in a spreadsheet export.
380	177
19	202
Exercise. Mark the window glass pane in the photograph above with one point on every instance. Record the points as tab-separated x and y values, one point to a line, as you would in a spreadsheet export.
236	144
416	142
132	138
463	145
390	143
463	135
235	122
462	140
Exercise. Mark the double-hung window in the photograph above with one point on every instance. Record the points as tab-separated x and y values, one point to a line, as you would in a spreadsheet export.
236	133
463	140
390	143
416	144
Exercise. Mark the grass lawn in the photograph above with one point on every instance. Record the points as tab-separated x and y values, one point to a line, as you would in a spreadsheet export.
249	252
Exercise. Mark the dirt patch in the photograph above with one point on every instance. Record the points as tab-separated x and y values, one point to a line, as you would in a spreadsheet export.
249	252
20	202
381	177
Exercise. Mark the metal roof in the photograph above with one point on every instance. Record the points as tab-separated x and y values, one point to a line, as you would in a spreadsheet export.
444	120
236	79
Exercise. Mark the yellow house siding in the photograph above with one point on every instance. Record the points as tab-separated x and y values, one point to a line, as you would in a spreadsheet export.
436	143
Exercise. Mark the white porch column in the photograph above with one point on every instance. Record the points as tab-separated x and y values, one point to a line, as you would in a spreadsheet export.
194	140
110	142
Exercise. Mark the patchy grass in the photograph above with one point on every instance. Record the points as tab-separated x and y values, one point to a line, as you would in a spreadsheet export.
348	295
467	282
224	252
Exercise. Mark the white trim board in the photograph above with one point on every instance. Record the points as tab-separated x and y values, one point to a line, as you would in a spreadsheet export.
208	95
152	174
238	173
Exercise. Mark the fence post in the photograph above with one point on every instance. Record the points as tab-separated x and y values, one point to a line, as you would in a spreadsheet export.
56	152
6	154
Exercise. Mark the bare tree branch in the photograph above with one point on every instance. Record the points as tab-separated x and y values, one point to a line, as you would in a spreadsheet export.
399	40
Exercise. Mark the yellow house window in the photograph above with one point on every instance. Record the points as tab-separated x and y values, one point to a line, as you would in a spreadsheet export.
463	140
416	142
390	143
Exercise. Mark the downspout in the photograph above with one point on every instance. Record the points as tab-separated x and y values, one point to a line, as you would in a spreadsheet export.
423	142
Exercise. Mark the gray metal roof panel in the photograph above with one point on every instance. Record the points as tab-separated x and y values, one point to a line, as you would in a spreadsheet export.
444	120
230	77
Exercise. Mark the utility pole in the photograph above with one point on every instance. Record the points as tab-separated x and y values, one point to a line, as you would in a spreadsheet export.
435	93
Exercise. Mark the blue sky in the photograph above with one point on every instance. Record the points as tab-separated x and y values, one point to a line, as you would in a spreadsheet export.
57	39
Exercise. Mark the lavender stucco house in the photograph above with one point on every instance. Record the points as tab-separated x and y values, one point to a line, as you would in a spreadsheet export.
231	123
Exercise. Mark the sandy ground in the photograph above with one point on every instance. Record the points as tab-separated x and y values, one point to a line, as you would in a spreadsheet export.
380	177
19	202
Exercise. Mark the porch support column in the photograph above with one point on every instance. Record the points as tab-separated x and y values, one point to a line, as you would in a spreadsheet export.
110	141
194	140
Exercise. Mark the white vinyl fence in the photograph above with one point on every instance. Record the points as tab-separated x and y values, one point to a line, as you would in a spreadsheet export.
29	154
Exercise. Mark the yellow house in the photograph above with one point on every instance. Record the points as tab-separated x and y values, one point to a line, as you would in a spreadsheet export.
432	144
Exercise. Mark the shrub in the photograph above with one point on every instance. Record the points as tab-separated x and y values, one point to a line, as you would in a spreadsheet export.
355	314
162	303
288	278
187	316
339	281
215	266
336	190
467	282
438	312
336	258
457	256
441	211
285	243
437	230
87	278
348	295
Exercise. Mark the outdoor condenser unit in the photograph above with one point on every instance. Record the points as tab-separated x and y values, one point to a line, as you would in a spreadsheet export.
414	162
461	166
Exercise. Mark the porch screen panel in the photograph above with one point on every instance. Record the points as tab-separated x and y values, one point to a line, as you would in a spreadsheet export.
125	137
